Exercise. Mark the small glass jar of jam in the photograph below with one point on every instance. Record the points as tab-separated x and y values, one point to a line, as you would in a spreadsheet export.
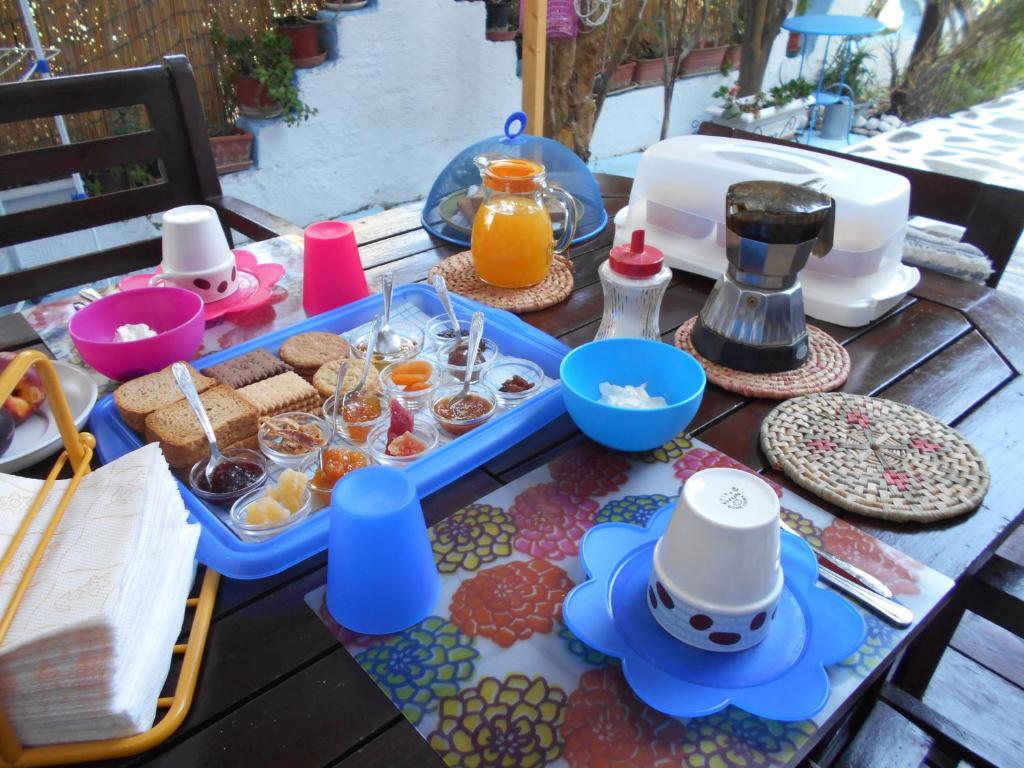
456	415
241	471
358	415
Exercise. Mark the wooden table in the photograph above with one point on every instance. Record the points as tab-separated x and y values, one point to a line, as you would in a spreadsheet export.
277	689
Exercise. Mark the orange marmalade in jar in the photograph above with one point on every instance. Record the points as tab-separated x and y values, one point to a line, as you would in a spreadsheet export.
512	241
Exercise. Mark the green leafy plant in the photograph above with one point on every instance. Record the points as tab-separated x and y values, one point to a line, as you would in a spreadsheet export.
647	44
734	105
265	59
859	72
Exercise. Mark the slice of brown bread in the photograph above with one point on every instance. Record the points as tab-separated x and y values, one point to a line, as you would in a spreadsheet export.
177	429
138	398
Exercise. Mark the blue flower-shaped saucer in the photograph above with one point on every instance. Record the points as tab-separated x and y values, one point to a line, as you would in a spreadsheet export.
782	678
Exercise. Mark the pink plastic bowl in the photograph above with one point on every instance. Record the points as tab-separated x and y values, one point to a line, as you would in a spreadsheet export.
174	313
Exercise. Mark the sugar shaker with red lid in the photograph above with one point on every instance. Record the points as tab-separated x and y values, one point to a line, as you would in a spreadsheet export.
634	279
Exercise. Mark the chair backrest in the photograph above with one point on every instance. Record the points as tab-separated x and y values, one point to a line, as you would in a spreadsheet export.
176	141
992	217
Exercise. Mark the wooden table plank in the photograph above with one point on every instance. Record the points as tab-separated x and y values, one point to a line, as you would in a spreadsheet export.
394	221
949	291
318	714
941	387
1000	317
400	746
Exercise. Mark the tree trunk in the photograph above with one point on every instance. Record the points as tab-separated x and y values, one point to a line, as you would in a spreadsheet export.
684	45
763	21
928	38
574	102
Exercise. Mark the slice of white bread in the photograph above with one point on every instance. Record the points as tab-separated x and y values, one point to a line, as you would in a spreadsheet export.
177	429
138	398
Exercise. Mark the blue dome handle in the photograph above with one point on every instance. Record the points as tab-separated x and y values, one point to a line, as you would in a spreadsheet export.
515	117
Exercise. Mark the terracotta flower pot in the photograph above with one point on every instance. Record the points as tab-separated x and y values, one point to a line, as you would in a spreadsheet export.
623	76
305	38
733	55
703	60
232	152
648	71
253	99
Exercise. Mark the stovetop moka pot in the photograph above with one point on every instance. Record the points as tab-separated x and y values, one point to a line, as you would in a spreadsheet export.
754	318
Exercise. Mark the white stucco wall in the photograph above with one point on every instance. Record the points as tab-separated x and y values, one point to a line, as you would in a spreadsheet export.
415	82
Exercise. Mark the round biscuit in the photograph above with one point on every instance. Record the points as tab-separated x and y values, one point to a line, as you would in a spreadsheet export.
311	350
326	377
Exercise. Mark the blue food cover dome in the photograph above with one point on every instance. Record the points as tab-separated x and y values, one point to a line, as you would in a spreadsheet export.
449	209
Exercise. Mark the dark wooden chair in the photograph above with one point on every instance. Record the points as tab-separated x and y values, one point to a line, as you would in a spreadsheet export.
990	215
176	141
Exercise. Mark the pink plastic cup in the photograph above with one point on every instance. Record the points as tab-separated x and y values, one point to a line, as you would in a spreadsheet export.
174	313
332	270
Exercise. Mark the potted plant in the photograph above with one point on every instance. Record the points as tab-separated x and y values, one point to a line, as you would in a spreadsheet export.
623	76
734	34
780	112
650	63
232	149
304	34
500	15
262	76
707	58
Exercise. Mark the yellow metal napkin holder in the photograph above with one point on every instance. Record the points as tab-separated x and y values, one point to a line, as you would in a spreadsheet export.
78	450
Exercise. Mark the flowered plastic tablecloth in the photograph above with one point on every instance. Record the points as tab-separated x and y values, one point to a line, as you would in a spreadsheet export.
50	316
494	678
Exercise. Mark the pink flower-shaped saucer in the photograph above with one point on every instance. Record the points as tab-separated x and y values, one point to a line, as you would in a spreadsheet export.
255	283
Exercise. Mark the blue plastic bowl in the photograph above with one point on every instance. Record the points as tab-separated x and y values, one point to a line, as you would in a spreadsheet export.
667	371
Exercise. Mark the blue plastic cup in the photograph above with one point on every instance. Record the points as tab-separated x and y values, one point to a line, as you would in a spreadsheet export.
381	576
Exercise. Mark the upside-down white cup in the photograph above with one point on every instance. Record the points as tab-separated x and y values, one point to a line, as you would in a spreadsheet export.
716	577
196	254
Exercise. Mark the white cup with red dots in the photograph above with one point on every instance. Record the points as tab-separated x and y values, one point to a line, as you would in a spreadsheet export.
196	255
717	576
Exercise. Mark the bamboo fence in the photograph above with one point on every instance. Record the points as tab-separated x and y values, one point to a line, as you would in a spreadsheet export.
97	35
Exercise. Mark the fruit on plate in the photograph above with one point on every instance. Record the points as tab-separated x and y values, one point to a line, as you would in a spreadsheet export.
6	431
28	394
401	421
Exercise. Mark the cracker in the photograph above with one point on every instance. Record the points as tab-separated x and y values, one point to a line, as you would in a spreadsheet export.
327	375
306	352
247	369
279	394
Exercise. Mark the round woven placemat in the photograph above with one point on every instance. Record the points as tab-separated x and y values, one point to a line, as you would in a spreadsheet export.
826	368
875	457
461	277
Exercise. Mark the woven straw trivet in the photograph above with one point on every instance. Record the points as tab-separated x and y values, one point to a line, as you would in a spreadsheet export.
461	278
826	368
876	457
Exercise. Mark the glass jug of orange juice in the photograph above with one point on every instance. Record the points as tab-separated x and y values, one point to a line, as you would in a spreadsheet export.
512	241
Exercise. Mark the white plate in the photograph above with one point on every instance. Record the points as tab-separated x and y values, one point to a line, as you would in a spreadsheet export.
37	437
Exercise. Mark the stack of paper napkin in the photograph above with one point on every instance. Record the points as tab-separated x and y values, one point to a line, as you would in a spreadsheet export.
90	646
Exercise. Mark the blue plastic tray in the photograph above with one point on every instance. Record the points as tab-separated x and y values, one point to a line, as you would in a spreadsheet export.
220	549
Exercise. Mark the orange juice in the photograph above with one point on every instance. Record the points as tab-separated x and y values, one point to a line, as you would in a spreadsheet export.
512	242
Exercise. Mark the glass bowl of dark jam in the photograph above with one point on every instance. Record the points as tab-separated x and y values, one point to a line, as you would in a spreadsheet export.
514	380
241	471
453	355
440	331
